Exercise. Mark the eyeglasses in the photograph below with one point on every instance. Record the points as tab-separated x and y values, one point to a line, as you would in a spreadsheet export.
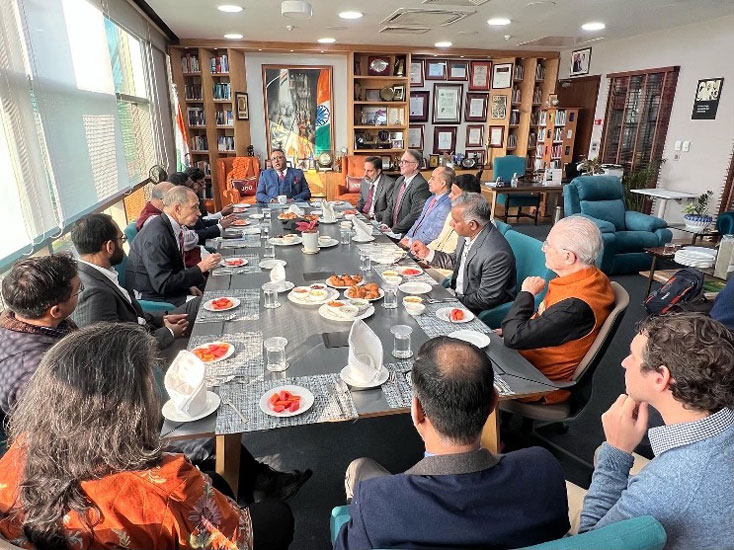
81	287
408	162
121	238
546	245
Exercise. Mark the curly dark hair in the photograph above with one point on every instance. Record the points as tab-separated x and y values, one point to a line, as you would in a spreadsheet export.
699	353
36	284
90	410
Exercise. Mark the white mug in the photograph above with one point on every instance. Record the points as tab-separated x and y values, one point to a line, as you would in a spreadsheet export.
310	241
282	199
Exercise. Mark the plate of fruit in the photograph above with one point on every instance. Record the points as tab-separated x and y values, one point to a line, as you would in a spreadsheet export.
285	401
233	262
213	352
221	304
455	314
410	271
240	223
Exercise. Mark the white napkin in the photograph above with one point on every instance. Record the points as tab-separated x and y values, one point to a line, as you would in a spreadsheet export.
277	275
365	353
295	209
184	383
363	230
327	212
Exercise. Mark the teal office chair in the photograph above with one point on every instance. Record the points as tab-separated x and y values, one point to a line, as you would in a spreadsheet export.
505	167
149	306
130	231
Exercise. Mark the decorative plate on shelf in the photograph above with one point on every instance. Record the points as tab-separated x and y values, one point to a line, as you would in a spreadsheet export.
325	159
387	94
469	162
378	66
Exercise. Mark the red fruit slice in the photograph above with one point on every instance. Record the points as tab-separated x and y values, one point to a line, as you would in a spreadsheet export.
273	399
294	406
278	408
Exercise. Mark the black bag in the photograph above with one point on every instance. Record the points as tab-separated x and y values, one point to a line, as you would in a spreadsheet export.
684	286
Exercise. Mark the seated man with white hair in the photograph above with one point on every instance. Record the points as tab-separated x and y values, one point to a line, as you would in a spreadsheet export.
557	336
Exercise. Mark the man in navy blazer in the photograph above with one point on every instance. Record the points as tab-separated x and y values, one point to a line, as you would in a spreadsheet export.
281	180
459	495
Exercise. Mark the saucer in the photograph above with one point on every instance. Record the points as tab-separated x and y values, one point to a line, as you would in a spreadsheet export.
367	240
379	381
287	285
309	252
271	263
170	412
329	244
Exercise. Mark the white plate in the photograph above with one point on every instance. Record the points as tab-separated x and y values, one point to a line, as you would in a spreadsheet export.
307	400
251	231
326	314
415	287
342	287
270	264
279	241
367	240
329	244
322	220
382	295
241	205
444	313
170	412
479	339
208	305
229	353
256	216
402	271
331	294
238	224
285	286
224	261
379	381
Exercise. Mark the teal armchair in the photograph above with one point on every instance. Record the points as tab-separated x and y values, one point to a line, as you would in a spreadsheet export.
149	306
130	231
505	167
625	233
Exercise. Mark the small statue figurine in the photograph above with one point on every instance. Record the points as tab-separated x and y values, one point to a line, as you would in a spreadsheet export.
250	151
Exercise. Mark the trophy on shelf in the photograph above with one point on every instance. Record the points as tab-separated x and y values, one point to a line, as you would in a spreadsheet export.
399	68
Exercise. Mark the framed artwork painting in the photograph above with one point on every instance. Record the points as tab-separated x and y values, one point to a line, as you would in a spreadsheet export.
580	61
501	76
243	107
479	75
476	107
298	109
458	70
419	106
496	136
475	135
436	70
444	139
499	107
415	136
447	103
416	73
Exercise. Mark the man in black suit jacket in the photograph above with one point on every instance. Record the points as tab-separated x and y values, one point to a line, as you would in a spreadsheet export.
484	265
206	226
459	495
155	267
375	191
409	194
98	240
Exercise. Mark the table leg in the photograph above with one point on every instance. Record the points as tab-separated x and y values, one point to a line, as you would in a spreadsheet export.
494	203
662	203
228	451
652	274
491	433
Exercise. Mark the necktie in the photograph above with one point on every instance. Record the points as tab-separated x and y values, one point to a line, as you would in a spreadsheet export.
398	203
424	216
181	242
368	203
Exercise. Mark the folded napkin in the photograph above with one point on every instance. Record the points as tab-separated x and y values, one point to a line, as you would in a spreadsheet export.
363	230
184	383
327	212
365	353
295	209
277	275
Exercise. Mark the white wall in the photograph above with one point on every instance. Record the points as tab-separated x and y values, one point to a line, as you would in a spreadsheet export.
253	66
702	50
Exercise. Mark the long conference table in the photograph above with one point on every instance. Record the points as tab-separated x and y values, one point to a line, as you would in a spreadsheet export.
316	351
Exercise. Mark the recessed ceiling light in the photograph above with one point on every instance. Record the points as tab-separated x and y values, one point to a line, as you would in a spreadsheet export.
233	36
290	51
351	15
498	21
443	44
326	40
594	26
230	8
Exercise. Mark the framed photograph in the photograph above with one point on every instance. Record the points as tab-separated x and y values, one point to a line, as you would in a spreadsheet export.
458	70
580	61
415	136
476	107
501	76
416	73
436	70
398	92
499	107
706	101
298	117
444	139
378	65
447	103
480	154
373	116
395	116
372	95
386	162
496	136
475	135
419	106
243	107
479	75
433	162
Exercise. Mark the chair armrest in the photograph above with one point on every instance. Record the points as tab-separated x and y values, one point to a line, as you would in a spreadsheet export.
637	221
603	225
339	516
151	306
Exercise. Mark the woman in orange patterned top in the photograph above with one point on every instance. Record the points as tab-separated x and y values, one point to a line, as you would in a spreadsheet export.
86	469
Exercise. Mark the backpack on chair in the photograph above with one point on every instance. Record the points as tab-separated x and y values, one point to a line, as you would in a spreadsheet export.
684	286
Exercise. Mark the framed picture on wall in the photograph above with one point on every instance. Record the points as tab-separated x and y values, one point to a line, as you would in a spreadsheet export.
496	136
416	73
479	75
419	106
415	136
458	70
476	107
444	139
433	162
243	107
435	70
499	107
501	76
475	135
580	61
447	103
479	154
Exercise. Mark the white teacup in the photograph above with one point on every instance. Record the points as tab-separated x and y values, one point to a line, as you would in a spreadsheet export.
310	241
282	199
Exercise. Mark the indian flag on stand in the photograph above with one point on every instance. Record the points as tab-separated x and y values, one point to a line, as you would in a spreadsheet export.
323	112
182	141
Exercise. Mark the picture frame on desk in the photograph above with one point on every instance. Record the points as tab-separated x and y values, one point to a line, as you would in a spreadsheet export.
475	135
398	92
458	70
415	136
436	69
416	73
496	136
476	107
419	106
243	107
447	103
481	156
444	139
502	76
479	75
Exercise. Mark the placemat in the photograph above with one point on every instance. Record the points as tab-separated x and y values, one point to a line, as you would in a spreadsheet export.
433	326
248	241
246	362
246	399
253	266
398	391
248	310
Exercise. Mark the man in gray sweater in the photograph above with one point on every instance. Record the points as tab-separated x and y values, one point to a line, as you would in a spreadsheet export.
683	365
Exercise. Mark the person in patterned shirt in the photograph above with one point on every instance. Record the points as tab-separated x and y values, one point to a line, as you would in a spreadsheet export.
86	471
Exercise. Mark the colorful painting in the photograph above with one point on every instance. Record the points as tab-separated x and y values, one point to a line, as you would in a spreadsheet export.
298	110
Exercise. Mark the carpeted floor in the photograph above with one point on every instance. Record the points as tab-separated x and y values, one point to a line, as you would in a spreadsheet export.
328	448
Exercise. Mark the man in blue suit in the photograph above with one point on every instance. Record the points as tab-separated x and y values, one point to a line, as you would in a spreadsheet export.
459	495
281	180
429	224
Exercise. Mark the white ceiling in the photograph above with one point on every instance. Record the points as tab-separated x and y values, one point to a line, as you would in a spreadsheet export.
531	20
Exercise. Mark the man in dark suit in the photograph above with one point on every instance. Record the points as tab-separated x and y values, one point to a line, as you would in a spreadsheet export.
281	180
484	265
409	195
206	226
376	189
155	267
459	495
98	240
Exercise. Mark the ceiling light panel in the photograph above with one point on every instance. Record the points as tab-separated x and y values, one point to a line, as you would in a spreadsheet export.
230	8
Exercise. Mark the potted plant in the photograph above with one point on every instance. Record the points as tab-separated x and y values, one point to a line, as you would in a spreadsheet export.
590	167
696	212
310	236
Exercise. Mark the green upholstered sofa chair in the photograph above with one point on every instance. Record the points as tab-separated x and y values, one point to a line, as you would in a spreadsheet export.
505	167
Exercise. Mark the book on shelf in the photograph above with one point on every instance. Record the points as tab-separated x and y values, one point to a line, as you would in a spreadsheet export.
538	164
190	63
222	90
558	134
560	117
514	117
532	139
537	95
204	166
196	116
511	141
193	91
516	95
534	117
557	151
224	117
219	64
519	72
543	118
225	143
539	72
199	143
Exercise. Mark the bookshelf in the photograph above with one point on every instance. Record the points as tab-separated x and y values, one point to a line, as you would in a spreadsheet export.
559	133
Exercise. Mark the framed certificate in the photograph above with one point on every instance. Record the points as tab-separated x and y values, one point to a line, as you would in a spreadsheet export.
435	70
458	70
499	107
415	137
479	75
416	73
496	136
475	135
476	107
501	76
447	103
419	106
444	139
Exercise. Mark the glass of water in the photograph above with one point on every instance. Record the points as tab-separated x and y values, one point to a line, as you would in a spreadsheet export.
269	250
271	296
264	232
275	356
401	344
390	301
345	235
266	214
365	262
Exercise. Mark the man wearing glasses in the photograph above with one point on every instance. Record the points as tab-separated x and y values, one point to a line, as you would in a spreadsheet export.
281	181
409	195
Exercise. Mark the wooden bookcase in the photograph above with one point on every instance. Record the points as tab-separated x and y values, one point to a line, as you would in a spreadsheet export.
559	133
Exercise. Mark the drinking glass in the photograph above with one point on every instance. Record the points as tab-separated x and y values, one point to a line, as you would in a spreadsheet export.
269	250
365	262
401	344
264	232
275	356
266	213
271	296
390	301
345	235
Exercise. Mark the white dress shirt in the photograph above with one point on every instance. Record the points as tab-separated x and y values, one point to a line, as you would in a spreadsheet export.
191	237
462	262
375	186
